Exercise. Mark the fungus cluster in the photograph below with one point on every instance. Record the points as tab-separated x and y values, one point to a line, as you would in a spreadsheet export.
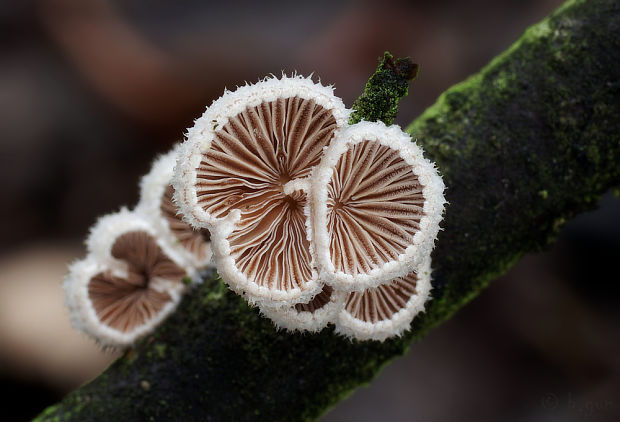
311	219
137	266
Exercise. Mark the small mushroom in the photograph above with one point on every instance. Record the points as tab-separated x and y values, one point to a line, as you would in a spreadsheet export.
386	311
128	283
376	207
312	316
157	206
239	175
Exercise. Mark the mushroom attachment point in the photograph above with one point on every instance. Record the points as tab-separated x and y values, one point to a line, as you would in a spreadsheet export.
157	205
242	175
386	311
376	204
311	316
128	283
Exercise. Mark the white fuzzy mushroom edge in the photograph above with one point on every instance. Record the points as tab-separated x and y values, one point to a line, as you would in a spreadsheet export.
82	312
349	326
423	240
152	188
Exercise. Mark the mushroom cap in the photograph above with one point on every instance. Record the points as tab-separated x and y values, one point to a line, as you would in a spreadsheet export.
312	316
386	311
376	207
230	178
128	283
156	205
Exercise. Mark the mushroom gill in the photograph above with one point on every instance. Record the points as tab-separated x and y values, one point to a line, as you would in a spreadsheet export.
374	207
249	161
378	313
194	241
125	303
381	303
318	302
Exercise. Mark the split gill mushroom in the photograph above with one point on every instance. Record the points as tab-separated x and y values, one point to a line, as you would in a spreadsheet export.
376	207
128	283
242	174
156	205
379	194
386	311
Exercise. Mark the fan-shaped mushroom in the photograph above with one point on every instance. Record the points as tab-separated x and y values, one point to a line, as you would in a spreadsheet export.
157	206
231	178
381	312
127	284
376	203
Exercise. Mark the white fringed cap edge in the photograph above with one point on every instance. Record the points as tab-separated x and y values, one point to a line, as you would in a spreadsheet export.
349	326
152	189
109	227
423	240
99	259
291	319
198	142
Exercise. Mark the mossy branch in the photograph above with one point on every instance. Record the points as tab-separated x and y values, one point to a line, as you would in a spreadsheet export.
525	144
384	90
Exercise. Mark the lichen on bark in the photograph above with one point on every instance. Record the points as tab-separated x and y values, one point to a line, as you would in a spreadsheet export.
525	144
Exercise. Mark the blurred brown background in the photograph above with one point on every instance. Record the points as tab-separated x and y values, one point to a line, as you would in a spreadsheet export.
91	90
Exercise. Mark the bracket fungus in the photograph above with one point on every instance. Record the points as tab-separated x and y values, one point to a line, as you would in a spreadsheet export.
232	175
156	205
303	209
128	283
376	207
374	204
311	219
385	311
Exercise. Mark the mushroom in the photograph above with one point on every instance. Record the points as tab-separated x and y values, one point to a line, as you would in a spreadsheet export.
157	206
311	316
386	311
376	207
128	283
241	174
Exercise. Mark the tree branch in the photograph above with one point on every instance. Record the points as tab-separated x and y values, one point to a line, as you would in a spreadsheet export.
525	144
384	89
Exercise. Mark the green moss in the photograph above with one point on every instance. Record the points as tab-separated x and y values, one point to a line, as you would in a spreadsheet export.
593	154
384	89
160	349
48	415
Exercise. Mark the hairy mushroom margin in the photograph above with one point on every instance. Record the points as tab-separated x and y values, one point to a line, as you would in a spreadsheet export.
386	311
157	205
311	316
127	284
